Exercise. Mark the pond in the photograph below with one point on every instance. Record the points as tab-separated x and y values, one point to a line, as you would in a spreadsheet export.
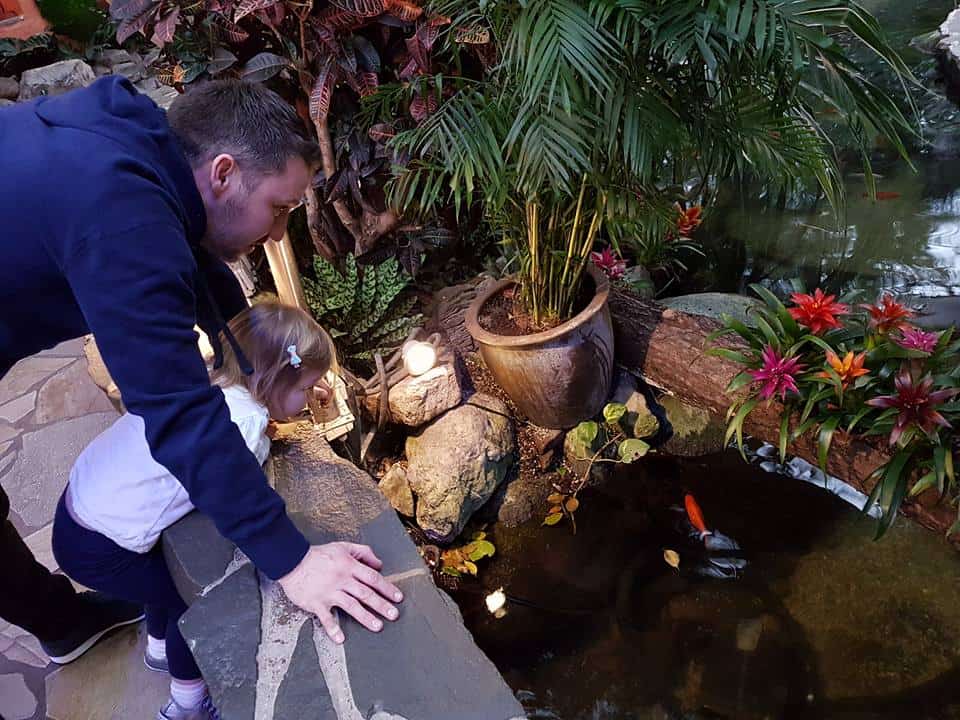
908	242
824	622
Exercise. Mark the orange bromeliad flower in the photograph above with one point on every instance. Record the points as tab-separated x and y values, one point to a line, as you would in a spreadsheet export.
688	220
849	369
818	311
888	314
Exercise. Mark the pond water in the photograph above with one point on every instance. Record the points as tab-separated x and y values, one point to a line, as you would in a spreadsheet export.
823	623
908	243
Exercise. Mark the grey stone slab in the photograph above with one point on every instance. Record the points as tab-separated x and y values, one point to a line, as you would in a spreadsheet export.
41	545
303	691
42	468
17	645
19	408
385	534
444	674
68	348
222	630
8	432
196	553
18	702
68	394
27	373
7	460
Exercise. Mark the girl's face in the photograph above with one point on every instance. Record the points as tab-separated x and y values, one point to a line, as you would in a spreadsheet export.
290	402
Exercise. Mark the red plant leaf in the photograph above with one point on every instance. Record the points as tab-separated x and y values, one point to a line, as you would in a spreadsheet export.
263	66
406	11
381	132
248	7
487	53
325	36
418	53
363	8
273	16
337	19
423	106
134	25
409	70
226	30
164	29
322	91
473	35
369	82
429	31
130	9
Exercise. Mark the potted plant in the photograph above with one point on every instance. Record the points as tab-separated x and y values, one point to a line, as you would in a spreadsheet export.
592	120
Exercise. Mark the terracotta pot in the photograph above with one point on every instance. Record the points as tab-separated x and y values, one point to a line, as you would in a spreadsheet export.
559	377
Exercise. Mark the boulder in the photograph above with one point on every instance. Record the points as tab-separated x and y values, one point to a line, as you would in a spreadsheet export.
55	79
695	431
714	304
162	95
9	88
578	462
456	463
948	50
396	489
415	401
6	103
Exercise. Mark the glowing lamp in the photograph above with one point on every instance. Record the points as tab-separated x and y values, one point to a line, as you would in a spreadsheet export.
418	357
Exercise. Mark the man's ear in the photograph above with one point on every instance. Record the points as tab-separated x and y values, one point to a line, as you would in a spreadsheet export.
224	174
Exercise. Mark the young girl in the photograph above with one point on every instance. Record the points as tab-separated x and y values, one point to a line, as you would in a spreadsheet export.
119	499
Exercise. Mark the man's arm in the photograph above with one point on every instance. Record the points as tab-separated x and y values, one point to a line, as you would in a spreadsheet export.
135	289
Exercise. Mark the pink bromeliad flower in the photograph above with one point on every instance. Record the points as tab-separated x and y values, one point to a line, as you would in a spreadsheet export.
777	375
610	263
916	403
913	339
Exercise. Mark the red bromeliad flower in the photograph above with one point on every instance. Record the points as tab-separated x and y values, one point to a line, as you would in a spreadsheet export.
777	374
888	314
849	369
610	263
818	311
916	403
688	220
913	339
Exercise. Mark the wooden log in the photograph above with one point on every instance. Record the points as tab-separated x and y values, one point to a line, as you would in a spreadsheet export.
668	348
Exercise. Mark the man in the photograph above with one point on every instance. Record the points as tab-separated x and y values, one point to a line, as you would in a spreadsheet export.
116	221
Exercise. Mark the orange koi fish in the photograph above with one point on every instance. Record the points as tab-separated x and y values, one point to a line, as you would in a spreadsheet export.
695	514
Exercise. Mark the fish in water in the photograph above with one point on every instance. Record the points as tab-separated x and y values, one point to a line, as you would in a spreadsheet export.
884	195
722	560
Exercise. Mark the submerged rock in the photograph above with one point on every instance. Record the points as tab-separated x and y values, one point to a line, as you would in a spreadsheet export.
695	430
713	305
640	419
457	462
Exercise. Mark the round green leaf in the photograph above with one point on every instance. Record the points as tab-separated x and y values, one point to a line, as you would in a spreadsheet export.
613	412
586	432
632	449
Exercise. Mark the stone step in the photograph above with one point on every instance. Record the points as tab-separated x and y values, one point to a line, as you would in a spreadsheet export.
265	659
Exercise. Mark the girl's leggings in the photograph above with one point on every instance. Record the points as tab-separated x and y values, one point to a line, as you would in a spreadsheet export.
97	562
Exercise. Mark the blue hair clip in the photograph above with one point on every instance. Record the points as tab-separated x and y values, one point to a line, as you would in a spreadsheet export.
295	359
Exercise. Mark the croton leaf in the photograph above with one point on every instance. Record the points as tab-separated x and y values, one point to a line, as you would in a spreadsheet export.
487	53
164	29
381	132
369	82
366	53
130	27
423	106
226	30
248	7
130	9
429	31
273	15
263	66
322	91
364	8
339	20
472	35
222	59
403	9
418	53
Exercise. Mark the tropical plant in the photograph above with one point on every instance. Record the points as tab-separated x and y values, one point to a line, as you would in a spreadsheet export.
364	314
617	439
601	114
865	371
327	57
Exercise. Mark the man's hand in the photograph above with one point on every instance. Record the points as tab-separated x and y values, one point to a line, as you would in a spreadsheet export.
343	575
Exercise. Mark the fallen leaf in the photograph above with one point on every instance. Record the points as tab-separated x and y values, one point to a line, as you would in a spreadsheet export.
572	504
471	568
552	519
555	499
672	558
556	509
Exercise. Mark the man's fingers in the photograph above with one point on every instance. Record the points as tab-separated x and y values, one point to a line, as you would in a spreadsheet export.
358	612
370	598
364	554
377	582
330	625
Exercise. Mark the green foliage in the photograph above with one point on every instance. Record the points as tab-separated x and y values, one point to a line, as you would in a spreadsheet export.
871	373
364	314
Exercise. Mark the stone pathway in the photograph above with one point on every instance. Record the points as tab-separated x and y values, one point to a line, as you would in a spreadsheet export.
49	410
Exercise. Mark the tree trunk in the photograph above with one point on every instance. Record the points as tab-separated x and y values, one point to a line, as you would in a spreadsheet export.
668	347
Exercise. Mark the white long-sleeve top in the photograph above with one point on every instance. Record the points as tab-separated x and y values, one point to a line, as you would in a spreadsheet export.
117	488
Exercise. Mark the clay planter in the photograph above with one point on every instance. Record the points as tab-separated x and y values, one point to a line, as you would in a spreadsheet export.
558	377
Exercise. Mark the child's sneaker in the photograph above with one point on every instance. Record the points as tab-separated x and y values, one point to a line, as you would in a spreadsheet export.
172	711
157	664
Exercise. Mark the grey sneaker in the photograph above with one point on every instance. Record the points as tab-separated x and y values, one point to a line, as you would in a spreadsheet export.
172	711
156	664
100	614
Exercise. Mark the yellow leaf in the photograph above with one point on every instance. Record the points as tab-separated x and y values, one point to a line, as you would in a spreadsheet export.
552	519
572	505
672	558
479	536
471	568
555	499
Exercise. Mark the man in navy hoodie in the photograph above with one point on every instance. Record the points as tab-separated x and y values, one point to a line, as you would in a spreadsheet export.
116	221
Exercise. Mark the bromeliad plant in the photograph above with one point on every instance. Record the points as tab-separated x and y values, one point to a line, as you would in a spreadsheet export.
862	370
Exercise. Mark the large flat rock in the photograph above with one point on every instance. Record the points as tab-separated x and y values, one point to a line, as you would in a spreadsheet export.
265	659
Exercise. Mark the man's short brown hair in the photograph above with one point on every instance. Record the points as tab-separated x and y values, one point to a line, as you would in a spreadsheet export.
246	120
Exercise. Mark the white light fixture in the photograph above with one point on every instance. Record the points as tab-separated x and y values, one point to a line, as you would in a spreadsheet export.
418	357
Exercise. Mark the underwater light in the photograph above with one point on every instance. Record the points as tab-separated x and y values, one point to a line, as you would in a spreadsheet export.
418	357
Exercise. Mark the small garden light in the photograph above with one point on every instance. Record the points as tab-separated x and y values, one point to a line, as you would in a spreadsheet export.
495	603
418	357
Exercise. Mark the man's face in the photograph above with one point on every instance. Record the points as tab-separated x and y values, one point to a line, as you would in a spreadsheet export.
245	210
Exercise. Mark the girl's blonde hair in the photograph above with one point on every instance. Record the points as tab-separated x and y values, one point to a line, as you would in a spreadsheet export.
264	332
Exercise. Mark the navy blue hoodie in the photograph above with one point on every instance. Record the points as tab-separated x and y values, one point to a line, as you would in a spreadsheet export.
101	224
